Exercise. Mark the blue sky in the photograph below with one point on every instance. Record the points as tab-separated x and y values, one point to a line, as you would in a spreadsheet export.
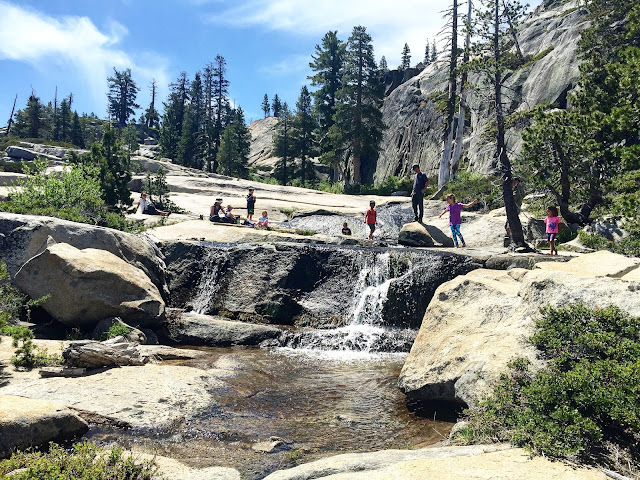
74	44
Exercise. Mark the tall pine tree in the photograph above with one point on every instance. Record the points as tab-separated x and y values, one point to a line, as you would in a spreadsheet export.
122	96
405	61
358	117
328	68
265	105
303	127
235	145
283	147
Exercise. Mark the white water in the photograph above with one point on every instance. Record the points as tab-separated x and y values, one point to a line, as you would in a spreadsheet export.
364	332
208	283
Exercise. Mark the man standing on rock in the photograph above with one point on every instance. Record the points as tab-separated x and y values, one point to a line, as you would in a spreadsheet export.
420	184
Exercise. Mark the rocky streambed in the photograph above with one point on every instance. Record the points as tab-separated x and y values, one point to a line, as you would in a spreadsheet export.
334	324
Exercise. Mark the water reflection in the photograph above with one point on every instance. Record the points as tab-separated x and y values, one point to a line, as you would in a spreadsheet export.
320	403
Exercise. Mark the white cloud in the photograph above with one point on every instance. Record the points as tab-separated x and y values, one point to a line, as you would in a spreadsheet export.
390	24
74	42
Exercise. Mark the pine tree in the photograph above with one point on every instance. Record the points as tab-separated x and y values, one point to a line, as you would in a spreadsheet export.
383	66
151	116
283	146
427	54
235	146
77	133
276	106
328	68
358	117
30	121
492	62
405	61
434	52
122	96
221	102
65	121
578	155
173	118
447	133
190	138
265	105
114	169
302	132
209	142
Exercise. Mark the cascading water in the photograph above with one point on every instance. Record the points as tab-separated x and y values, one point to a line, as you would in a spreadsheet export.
209	282
364	331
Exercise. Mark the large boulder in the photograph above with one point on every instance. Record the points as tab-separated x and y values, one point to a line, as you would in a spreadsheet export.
85	286
24	236
477	323
26	423
194	329
477	462
414	234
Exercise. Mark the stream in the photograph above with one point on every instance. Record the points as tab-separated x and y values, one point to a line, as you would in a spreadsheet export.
319	403
322	391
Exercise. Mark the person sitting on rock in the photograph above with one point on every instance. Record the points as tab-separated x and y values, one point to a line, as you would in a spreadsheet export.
263	221
148	208
229	216
216	208
345	229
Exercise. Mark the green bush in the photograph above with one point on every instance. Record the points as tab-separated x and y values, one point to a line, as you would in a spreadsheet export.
84	461
584	401
469	186
74	194
117	329
629	246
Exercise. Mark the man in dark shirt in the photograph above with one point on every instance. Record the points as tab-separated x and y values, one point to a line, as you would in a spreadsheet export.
417	195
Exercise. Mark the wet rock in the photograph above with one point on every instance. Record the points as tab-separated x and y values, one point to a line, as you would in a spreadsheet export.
103	327
477	323
415	235
310	285
195	329
478	462
164	352
26	423
24	236
85	286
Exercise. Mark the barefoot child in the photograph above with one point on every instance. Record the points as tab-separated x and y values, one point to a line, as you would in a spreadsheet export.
370	218
455	209
553	227
251	203
263	221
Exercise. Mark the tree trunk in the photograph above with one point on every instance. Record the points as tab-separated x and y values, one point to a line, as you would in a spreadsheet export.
462	111
11	116
443	173
515	226
355	145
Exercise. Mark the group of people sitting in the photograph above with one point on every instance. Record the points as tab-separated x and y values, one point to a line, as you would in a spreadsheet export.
219	214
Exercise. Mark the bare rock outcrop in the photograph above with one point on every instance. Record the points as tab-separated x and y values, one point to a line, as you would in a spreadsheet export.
24	236
415	124
477	323
477	462
86	286
26	422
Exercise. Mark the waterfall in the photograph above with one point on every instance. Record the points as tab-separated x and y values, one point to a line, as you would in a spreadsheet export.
364	331
209	282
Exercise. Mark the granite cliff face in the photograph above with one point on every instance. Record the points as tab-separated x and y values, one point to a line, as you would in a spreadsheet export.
415	123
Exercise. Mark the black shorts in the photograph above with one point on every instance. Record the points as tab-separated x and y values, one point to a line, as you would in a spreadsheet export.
150	210
372	226
250	210
551	237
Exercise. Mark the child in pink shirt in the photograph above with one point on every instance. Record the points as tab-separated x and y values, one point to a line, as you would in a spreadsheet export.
553	227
